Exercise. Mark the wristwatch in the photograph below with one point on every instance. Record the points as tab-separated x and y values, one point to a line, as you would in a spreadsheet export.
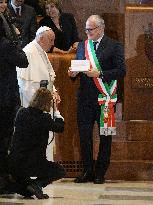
101	74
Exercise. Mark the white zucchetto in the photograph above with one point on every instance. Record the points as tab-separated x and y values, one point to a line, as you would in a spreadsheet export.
42	29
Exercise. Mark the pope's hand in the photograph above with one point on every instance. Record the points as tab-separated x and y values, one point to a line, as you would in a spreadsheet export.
57	99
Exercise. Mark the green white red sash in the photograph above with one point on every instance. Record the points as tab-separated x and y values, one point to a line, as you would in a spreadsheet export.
107	96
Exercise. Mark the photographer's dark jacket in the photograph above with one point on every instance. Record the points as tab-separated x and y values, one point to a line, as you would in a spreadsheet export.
31	135
11	55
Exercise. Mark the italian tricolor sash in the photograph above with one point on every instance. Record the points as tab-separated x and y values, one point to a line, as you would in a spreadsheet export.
107	96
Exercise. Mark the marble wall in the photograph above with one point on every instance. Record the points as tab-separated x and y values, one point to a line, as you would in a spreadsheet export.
139	78
111	10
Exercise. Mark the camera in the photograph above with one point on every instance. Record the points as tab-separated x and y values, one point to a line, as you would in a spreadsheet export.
43	83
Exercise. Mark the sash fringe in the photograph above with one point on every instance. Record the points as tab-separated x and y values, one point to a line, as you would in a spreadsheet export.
107	131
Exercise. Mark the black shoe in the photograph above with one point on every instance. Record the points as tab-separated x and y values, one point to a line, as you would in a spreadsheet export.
46	196
99	180
26	194
86	177
5	191
34	189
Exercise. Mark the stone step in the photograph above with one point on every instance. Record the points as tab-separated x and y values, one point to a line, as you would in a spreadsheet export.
129	150
138	170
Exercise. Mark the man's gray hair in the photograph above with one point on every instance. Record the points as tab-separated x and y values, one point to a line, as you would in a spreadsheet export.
41	31
97	19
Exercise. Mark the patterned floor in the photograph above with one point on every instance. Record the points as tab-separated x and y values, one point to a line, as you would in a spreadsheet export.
65	192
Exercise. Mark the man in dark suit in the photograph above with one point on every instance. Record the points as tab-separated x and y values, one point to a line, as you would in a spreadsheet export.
107	65
11	55
25	20
35	5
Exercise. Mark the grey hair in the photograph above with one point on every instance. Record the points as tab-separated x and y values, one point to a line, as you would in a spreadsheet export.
38	36
97	19
42	31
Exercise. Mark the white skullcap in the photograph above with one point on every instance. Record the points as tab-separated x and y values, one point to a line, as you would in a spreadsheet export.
42	29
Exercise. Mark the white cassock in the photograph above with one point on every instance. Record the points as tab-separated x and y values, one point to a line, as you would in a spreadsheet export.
29	79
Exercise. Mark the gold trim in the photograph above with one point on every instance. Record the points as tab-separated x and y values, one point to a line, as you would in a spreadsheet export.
139	8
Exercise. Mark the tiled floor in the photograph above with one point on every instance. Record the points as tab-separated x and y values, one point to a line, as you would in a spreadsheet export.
66	192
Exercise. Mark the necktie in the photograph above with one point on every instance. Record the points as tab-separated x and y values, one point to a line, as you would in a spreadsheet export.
95	45
17	11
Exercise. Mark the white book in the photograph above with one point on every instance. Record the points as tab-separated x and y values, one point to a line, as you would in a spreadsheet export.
80	65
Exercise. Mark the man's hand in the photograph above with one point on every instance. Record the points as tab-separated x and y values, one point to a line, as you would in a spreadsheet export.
93	73
57	50
71	50
72	73
75	45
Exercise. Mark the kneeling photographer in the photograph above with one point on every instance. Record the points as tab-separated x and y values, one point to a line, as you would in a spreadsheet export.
27	156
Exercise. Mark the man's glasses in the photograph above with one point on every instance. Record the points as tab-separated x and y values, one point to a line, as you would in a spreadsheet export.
90	29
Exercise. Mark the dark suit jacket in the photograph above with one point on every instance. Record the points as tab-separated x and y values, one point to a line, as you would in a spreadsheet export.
69	35
35	5
110	54
26	23
10	57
